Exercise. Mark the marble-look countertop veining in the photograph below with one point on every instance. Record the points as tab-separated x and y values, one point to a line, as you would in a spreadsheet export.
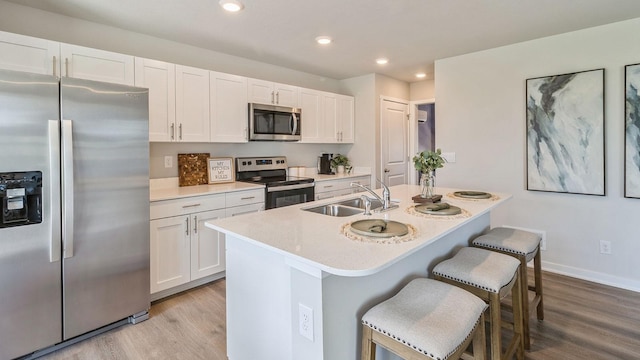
315	240
168	189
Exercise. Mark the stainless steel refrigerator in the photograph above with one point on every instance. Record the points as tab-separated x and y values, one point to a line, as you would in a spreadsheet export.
74	228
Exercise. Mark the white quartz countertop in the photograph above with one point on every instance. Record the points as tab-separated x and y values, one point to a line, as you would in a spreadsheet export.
166	190
315	240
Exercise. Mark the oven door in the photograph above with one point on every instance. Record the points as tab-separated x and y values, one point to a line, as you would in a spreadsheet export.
280	196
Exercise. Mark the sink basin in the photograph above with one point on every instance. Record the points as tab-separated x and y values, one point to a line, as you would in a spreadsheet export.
358	203
334	210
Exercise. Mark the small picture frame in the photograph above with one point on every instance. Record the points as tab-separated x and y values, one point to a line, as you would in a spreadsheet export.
220	170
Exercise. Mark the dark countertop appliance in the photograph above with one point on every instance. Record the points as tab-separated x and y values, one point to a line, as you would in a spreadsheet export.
324	164
281	190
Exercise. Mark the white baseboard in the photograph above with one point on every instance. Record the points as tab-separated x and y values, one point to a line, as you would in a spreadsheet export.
593	276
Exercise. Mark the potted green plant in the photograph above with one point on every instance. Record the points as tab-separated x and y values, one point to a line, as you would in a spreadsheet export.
426	163
339	162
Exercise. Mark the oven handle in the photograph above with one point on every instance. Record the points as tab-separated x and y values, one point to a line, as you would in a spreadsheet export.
290	187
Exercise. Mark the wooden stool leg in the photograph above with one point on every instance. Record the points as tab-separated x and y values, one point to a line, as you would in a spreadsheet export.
496	326
516	293
524	285
537	272
368	346
480	341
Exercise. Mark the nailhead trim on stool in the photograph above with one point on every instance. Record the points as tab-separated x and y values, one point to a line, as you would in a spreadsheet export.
432	318
524	246
491	276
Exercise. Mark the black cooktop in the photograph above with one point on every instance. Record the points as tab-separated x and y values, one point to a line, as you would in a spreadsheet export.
279	180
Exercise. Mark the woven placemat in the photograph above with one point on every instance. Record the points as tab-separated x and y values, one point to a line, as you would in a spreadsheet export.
492	198
345	230
464	214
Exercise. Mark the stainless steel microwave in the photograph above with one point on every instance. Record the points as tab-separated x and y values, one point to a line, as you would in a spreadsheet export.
274	123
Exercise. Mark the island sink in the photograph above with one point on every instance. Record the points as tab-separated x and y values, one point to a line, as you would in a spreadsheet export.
334	210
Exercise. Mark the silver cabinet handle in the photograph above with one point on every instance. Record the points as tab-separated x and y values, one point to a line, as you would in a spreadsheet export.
278	97
54	202
66	67
180	132
338	135
191	205
195	224
273	94
248	198
173	131
187	230
327	186
246	134
67	188
54	66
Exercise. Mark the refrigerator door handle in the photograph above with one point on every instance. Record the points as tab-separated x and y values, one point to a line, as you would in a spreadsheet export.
54	201
67	188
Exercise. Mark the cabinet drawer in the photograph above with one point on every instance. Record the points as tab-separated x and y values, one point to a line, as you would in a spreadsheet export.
166	208
244	209
238	198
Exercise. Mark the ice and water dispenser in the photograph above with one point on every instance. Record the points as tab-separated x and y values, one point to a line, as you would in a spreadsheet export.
21	196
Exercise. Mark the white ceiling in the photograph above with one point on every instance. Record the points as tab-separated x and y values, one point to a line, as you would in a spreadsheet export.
411	33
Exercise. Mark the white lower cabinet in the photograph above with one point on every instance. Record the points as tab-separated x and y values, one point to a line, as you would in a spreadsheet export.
184	252
331	188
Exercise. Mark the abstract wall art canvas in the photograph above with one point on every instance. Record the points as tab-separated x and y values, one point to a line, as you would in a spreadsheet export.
565	133
632	132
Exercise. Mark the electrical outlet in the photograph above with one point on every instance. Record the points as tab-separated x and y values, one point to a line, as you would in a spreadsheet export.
305	321
605	247
168	162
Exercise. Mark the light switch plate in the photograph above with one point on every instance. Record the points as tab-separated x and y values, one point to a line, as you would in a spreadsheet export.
168	162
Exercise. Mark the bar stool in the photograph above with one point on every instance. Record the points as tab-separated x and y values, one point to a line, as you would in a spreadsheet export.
524	246
427	319
490	276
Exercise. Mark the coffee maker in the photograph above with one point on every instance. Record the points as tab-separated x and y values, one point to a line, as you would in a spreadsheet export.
324	164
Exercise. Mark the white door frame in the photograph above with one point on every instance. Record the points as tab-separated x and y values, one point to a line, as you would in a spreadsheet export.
384	98
413	136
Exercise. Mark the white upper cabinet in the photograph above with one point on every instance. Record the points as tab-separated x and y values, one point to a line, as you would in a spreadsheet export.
160	78
29	54
228	108
326	117
267	92
99	65
345	124
192	104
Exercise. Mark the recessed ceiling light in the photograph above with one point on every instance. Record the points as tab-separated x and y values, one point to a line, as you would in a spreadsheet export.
231	5
421	75
382	61
323	40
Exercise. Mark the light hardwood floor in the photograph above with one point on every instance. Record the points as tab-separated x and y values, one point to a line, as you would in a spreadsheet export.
583	321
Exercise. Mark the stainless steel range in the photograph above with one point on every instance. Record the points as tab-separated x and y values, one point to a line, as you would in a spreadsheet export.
281	190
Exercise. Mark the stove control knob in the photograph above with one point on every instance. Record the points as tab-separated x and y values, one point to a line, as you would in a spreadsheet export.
249	162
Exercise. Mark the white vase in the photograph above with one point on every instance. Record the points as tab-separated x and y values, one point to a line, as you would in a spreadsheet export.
340	169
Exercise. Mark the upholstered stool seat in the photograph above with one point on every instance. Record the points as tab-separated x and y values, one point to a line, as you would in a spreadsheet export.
524	246
427	319
490	276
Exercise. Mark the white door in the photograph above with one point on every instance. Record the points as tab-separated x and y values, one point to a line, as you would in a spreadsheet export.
312	125
160	78
228	107
99	65
393	141
192	104
261	92
169	250
207	245
346	119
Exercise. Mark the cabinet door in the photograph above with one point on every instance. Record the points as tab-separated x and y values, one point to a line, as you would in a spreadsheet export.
160	78
28	54
192	104
330	116
244	209
261	92
345	122
99	65
207	245
312	122
286	95
228	107
169	249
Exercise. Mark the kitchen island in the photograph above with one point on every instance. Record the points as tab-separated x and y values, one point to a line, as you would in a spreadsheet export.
297	286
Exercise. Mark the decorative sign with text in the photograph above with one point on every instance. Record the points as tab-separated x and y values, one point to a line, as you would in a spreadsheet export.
221	170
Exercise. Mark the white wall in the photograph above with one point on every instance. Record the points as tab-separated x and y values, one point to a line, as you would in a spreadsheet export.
480	116
421	90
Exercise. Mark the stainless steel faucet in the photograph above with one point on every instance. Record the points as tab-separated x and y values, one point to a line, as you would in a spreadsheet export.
386	195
